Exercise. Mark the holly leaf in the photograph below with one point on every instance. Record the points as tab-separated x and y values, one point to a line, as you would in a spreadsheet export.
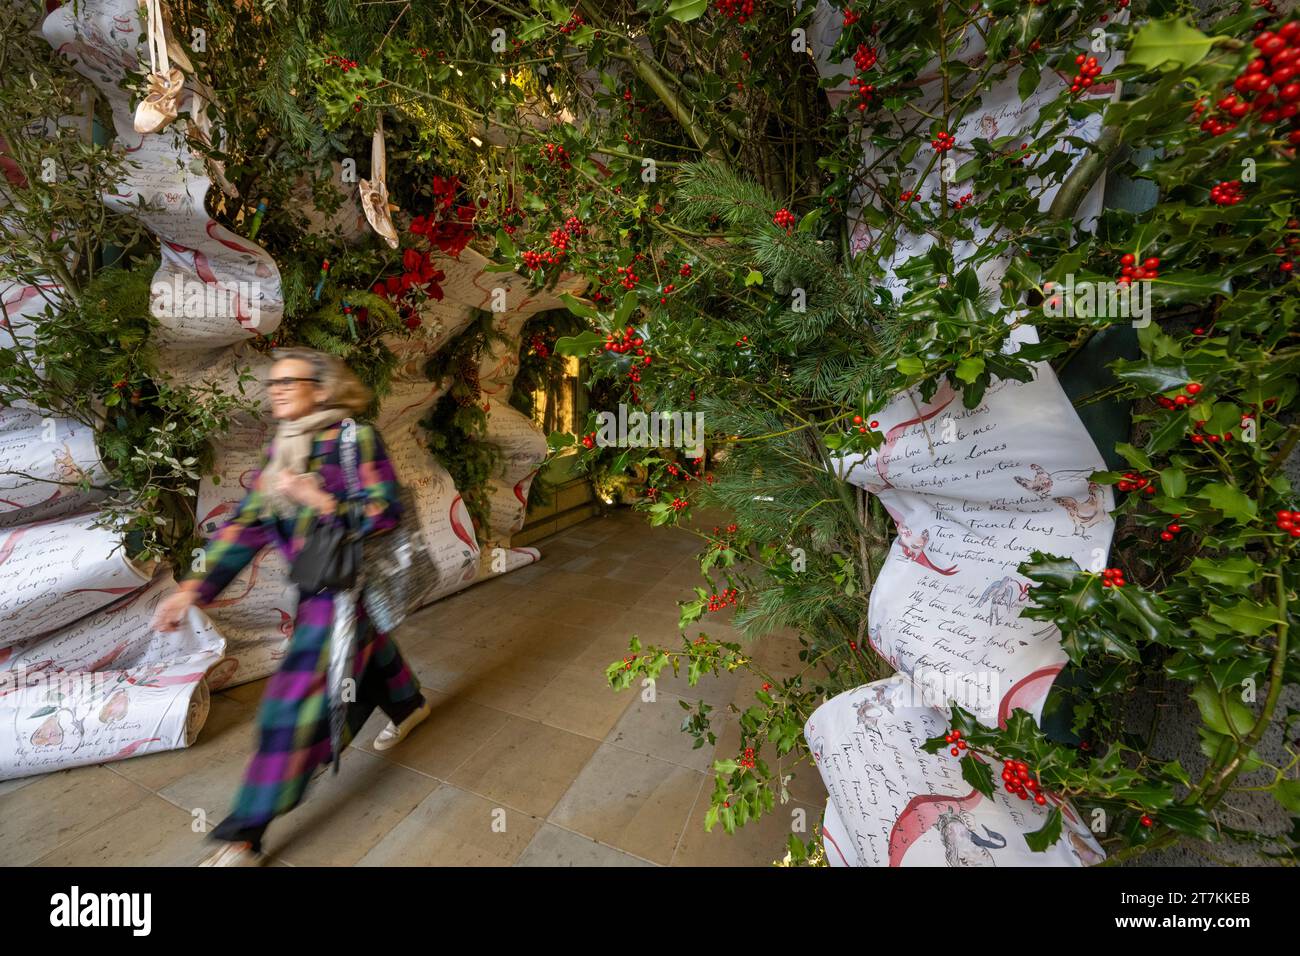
1231	500
1246	617
970	369
684	11
577	306
1169	41
1287	793
1151	376
1234	572
1041	839
978	774
579	345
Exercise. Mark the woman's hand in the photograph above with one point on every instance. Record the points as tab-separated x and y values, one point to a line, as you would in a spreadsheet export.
305	490
171	610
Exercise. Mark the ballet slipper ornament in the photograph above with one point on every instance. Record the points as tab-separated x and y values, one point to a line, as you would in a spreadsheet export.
166	83
374	191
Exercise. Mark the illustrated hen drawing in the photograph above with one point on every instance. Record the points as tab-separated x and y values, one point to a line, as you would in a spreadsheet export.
1084	513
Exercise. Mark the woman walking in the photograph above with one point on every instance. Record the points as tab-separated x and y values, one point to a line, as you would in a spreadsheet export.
302	477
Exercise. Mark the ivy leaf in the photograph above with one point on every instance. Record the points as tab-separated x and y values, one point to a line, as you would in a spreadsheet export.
1041	839
754	278
1169	41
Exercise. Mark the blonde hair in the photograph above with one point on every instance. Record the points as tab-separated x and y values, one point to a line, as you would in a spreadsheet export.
343	388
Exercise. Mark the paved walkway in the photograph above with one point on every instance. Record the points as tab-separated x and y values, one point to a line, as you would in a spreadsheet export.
529	757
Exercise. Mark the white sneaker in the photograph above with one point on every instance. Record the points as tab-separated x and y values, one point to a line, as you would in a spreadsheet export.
235	854
393	734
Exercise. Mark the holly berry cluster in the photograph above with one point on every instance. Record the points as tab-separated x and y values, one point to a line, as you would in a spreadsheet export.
679	504
1277	69
720	602
747	758
954	737
685	270
851	17
907	196
1133	481
857	420
540	348
962	202
1018	781
739	10
1170	530
589	440
1089	70
1130	269
1200	438
864	58
629	342
557	155
784	218
627	275
943	141
1112	578
1191	390
573	23
1227	193
1289	521
342	62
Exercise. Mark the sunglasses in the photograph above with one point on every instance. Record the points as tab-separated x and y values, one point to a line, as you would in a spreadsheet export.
286	382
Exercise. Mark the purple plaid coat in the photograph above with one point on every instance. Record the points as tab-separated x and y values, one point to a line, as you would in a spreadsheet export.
293	721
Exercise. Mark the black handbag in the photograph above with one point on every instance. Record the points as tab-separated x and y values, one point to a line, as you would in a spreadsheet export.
331	557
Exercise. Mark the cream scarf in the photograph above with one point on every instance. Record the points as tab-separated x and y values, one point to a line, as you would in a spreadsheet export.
290	448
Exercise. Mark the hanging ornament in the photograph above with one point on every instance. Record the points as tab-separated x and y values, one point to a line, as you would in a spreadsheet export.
257	219
166	82
347	314
320	280
374	192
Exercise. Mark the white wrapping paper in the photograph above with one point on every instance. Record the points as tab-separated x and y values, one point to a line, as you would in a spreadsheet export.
105	688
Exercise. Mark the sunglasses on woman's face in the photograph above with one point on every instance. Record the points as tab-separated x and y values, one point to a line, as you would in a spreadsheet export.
288	382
